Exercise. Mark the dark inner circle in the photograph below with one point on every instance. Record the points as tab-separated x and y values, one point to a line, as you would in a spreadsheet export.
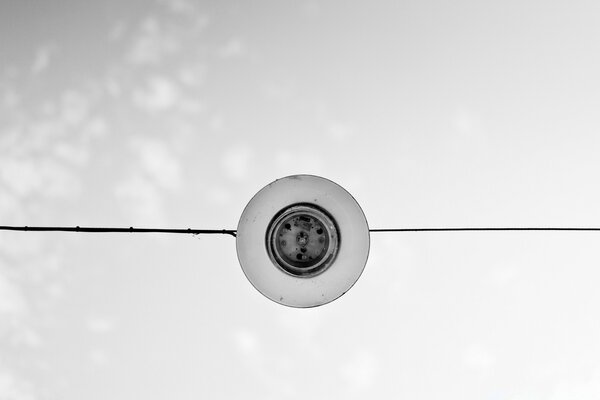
302	240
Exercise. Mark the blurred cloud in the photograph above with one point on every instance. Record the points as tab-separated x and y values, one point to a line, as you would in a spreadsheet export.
360	372
99	357
12	301
298	162
159	163
141	199
100	325
194	75
259	362
236	161
71	153
339	131
479	357
279	90
10	98
42	58
152	43
466	124
585	388
246	342
74	107
112	86
178	6
8	202
12	388
235	47
160	94
218	195
46	177
302	327
26	336
118	30
21	176
504	275
311	8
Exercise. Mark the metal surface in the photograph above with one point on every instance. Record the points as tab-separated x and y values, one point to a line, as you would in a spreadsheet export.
302	240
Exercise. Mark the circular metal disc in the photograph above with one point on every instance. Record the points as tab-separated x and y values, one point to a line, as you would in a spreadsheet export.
302	241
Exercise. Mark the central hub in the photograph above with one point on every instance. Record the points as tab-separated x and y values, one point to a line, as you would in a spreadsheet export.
302	240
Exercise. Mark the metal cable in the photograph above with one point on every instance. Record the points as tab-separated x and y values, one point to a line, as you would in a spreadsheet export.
117	230
482	229
233	232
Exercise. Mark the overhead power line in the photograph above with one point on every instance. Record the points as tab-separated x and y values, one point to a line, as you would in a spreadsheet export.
131	229
232	232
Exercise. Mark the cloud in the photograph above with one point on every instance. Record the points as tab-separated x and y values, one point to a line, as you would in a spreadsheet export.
10	98
27	337
290	162
218	195
70	153
41	59
95	127
112	86
360	371
303	327
152	43
12	388
21	176
466	124
479	357
504	275
159	95
141	198
159	163
12	301
236	162
99	357
339	131
192	75
8	203
178	6
246	342
278	91
234	48
581	386
100	325
44	177
578	389
156	169
74	107
117	31
259	364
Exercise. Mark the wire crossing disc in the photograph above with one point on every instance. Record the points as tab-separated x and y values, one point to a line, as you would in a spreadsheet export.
302	241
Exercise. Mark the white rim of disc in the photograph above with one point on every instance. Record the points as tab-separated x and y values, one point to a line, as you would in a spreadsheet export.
340	249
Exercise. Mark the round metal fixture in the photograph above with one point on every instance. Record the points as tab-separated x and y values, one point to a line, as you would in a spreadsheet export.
302	241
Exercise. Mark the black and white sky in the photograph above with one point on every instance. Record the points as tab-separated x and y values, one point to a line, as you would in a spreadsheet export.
173	113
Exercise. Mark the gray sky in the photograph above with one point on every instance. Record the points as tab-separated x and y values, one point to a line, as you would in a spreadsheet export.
174	113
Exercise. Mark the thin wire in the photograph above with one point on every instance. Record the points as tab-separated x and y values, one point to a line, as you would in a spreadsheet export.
117	230
233	232
482	229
